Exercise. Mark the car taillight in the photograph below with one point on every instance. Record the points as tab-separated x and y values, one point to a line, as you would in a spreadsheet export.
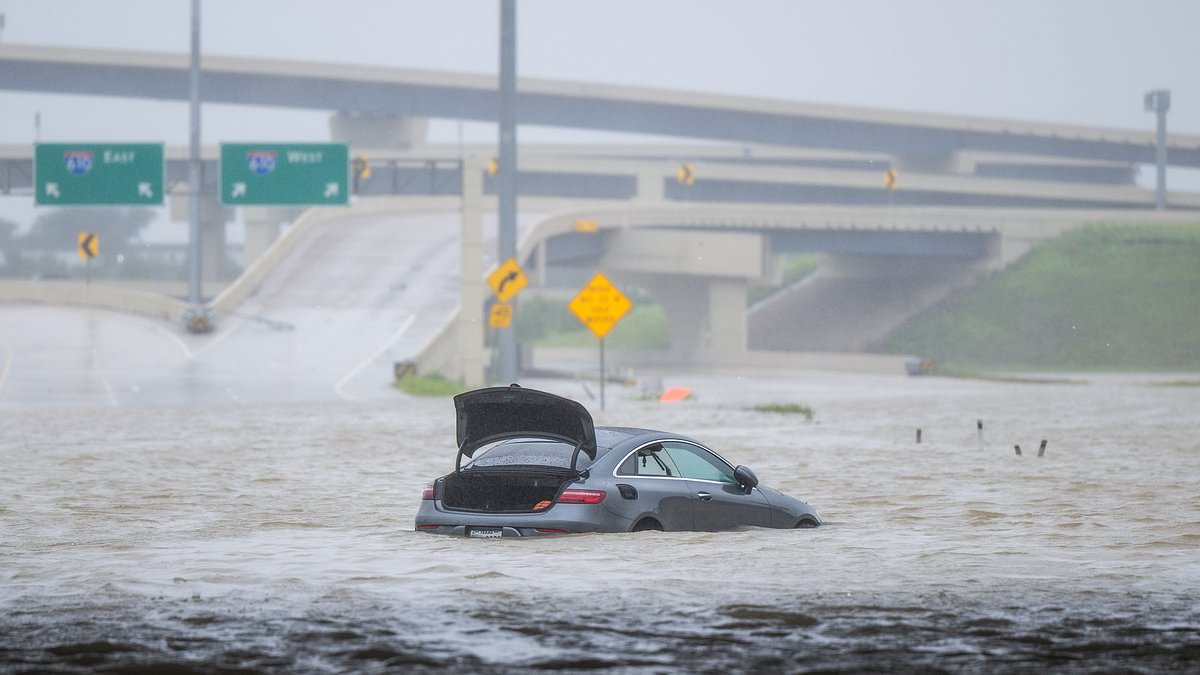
582	496
427	492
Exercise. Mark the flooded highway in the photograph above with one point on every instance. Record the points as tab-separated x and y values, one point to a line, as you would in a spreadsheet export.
278	537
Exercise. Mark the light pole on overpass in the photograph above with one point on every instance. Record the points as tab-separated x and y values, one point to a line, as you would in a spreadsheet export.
506	341
1159	102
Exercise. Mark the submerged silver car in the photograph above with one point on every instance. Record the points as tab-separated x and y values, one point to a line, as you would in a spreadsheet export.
539	466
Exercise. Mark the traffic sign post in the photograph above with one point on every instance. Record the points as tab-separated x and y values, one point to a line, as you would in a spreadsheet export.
98	174
600	305
266	174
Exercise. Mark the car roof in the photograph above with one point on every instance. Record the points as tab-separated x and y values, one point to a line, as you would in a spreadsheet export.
627	437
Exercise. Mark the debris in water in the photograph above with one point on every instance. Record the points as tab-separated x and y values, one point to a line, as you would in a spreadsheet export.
675	395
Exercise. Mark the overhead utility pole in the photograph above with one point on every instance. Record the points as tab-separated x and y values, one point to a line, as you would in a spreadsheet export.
506	341
1159	102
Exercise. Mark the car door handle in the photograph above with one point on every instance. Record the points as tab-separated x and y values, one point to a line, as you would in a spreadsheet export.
704	496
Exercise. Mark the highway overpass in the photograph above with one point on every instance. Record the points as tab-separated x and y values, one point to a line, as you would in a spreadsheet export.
721	175
921	140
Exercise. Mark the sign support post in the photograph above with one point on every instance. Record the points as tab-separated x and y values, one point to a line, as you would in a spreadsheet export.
599	305
506	340
602	374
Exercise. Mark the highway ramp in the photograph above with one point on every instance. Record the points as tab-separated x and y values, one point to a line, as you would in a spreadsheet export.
353	295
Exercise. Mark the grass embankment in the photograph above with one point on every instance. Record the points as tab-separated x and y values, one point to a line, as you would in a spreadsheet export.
795	268
428	385
1098	298
786	409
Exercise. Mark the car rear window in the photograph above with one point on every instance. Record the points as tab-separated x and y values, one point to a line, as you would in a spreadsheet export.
531	452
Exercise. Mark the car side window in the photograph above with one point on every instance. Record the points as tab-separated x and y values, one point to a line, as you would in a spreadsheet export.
649	461
696	462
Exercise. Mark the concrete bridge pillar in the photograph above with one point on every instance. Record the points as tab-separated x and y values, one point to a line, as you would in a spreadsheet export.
650	185
707	316
263	224
370	130
213	218
701	279
470	315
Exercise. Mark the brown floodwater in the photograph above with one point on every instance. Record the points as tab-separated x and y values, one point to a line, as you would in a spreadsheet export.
278	538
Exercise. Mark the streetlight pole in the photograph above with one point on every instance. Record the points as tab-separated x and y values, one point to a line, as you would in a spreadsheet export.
197	317
1159	102
506	341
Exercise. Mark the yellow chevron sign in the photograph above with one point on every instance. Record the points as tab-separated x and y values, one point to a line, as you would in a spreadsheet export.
89	245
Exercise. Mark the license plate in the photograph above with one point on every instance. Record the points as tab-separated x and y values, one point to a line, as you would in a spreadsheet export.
486	532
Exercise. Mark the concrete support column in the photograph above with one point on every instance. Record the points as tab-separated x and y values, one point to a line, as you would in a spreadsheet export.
707	317
263	225
213	218
471	315
212	250
371	130
727	320
650	185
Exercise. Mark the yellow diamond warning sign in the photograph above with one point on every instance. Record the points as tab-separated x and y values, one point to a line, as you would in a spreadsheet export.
507	280
599	305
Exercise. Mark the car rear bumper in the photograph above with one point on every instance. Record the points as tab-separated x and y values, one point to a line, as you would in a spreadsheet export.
558	519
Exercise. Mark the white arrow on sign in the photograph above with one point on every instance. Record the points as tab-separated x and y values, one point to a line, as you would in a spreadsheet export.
239	190
145	191
52	190
331	190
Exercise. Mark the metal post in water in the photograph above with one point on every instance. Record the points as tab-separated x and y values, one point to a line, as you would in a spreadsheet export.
918	435
197	321
602	374
1042	448
1017	449
506	340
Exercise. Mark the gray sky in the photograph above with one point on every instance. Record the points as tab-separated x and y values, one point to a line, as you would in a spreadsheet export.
1072	61
1085	62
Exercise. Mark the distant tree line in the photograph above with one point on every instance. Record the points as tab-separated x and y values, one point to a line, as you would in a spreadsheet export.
46	250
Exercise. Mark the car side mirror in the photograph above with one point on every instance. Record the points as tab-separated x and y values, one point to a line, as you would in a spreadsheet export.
745	477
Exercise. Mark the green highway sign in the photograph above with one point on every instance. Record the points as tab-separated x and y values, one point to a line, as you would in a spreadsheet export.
78	174
284	173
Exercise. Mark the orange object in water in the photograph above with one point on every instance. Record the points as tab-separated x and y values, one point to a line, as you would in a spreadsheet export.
675	394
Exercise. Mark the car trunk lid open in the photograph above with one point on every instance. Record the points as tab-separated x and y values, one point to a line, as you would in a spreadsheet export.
494	414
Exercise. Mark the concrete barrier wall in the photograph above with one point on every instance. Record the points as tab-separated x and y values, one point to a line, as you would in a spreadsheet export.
145	303
442	353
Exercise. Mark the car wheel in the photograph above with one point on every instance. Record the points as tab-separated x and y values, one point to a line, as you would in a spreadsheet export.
648	524
806	523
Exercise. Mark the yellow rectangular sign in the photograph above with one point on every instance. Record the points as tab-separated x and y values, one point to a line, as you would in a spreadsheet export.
501	315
